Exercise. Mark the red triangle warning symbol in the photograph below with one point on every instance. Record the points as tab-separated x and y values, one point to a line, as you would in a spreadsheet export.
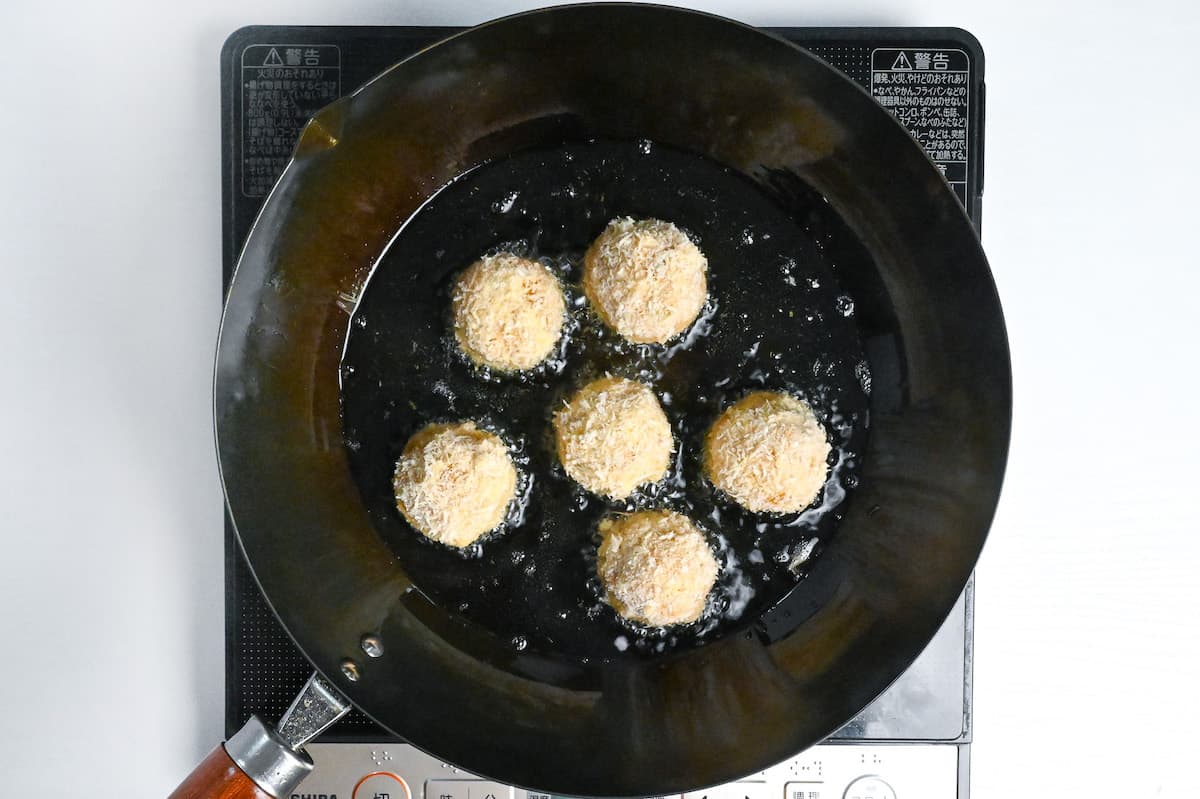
901	61
273	59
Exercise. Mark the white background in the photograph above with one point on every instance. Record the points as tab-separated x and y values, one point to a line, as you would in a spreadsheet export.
1088	657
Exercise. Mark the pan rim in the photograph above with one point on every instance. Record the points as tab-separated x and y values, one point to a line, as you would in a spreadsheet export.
291	167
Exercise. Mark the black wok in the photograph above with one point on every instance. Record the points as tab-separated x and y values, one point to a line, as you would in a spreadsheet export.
930	472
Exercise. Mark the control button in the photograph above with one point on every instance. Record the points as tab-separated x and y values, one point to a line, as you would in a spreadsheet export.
732	790
534	794
537	795
804	790
869	787
478	789
381	785
446	789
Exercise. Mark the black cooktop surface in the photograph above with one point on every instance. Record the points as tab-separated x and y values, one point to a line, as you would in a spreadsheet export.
273	78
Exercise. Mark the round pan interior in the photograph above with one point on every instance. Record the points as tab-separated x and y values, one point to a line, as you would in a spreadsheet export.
926	309
776	319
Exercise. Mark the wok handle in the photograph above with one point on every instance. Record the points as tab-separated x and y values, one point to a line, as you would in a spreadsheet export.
255	763
218	777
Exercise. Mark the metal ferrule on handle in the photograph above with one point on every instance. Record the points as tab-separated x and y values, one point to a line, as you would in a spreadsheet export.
266	758
260	762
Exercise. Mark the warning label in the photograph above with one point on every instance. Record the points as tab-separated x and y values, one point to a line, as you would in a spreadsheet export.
928	91
282	87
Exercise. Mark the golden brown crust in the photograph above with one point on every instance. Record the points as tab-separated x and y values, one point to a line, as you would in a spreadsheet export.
454	482
768	452
656	567
613	436
508	312
646	279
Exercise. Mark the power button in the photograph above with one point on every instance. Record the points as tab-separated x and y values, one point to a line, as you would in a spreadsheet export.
869	787
381	785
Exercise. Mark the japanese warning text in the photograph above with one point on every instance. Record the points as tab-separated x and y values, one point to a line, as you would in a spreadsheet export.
928	91
282	87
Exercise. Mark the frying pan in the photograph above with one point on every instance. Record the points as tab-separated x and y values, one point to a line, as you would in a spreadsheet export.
930	473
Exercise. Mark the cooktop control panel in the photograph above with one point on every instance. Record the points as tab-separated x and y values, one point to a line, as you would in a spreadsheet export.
829	771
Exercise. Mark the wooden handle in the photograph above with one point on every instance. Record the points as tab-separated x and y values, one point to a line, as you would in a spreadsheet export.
218	777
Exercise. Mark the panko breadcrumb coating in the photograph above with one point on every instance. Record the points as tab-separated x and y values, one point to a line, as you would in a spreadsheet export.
657	568
613	436
508	312
646	279
769	452
454	482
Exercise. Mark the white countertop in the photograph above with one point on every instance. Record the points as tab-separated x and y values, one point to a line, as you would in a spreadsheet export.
1087	642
